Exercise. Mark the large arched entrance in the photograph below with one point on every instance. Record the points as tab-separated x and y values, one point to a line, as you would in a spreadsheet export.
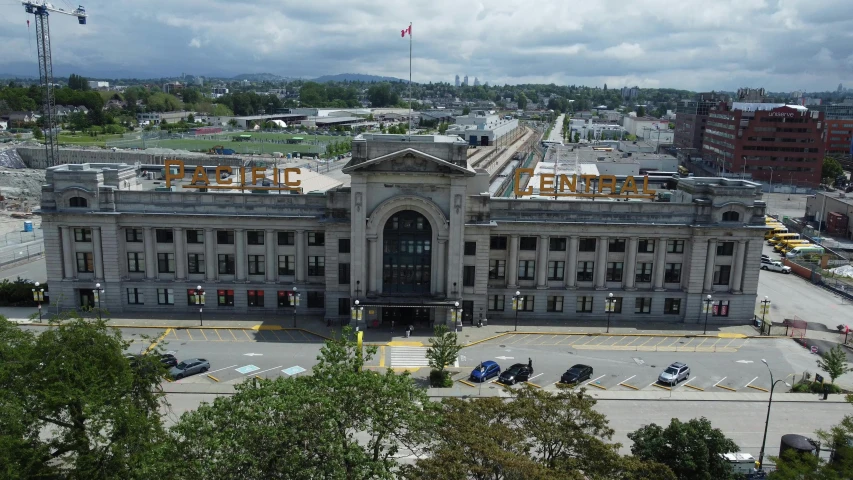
406	254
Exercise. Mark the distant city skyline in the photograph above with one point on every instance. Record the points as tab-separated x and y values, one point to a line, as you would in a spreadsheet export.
691	45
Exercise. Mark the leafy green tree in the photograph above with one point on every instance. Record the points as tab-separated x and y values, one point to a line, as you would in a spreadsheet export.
466	110
690	449
443	351
577	137
191	95
77	82
831	169
641	111
442	127
381	95
521	99
191	118
834	363
37	133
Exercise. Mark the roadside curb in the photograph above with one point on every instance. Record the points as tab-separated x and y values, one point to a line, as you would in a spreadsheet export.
603	334
256	328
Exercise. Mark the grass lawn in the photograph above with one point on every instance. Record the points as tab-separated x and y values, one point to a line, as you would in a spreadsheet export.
84	139
285	136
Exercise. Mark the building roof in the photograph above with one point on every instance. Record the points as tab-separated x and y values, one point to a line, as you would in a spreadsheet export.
754	106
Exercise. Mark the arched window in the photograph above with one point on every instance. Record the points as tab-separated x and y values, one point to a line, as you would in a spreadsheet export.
78	202
407	253
731	217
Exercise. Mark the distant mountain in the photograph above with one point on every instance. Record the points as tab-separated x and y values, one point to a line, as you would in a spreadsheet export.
13	76
259	77
355	77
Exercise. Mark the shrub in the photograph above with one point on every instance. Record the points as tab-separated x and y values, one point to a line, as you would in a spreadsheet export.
440	379
815	387
19	293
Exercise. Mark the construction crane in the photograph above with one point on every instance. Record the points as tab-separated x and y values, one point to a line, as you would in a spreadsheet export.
42	11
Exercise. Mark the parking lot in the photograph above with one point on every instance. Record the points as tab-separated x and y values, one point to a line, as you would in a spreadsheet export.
240	335
639	343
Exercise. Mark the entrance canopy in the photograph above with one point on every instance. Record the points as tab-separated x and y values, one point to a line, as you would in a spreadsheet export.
408	304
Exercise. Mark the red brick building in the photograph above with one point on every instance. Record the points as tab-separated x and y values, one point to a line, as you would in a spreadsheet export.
775	143
837	137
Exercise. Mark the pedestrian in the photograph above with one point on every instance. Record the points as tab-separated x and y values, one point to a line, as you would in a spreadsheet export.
392	326
530	363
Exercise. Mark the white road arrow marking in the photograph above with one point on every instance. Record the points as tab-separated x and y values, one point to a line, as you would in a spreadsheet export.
744	361
505	358
253	354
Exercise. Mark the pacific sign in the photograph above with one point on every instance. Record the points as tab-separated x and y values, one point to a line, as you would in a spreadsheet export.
201	179
562	185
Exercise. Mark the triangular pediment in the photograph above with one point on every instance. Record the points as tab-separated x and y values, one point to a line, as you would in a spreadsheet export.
407	160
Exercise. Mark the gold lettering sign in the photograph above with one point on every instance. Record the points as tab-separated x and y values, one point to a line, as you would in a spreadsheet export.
562	185
200	178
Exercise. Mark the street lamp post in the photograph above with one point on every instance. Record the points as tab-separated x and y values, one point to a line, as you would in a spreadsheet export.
517	299
38	296
294	302
608	307
357	312
767	421
765	305
708	301
98	291
199	300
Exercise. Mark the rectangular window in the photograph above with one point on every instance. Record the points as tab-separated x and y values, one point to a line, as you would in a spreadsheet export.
497	269
165	296
225	237
616	304
584	305
284	298
135	262
557	244
134	296
344	306
316	239
255	237
614	271
343	274
525	303
556	270
286	265
526	269
343	245
165	235
527	243
721	274
497	242
586	245
256	298
497	303
468	275
672	274
646	245
725	249
616	245
672	306
166	262
316	266
226	264
644	273
316	300
133	235
555	304
225	298
85	263
195	236
82	234
195	263
675	246
286	238
470	248
720	308
643	305
256	265
193	299
585	271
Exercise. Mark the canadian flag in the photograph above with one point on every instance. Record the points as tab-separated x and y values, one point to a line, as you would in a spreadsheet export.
404	31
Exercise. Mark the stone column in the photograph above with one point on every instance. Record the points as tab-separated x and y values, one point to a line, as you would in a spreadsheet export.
67	253
150	253
441	267
572	262
272	261
210	261
542	262
737	274
512	263
98	253
660	264
601	264
180	254
708	286
631	264
372	264
240	254
301	256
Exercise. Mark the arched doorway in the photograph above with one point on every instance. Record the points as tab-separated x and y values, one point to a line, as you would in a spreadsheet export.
406	253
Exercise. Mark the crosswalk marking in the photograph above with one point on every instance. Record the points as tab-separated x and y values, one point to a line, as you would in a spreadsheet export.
408	357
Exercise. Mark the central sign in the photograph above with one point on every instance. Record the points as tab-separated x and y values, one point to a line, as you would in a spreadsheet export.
562	185
201	180
781	114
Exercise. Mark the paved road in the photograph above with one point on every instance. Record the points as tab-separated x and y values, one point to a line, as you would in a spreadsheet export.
557	130
35	271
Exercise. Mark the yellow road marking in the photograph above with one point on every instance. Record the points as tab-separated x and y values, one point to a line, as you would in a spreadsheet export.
596	386
465	382
534	385
661	341
175	333
401	343
212	377
204	335
553	337
629	386
218	335
731	335
620	340
517	338
661	386
158	340
703	341
694	388
730	342
565	337
725	387
633	339
189	335
647	341
232	334
758	388
382	356
247	335
533	339
274	334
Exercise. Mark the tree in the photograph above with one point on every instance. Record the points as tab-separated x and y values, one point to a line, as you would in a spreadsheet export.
191	95
381	95
77	82
466	110
577	137
521	100
641	111
37	133
191	118
691	449
443	351
834	363
831	169
442	127
232	123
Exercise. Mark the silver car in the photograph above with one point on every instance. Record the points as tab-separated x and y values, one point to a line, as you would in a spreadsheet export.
674	373
189	367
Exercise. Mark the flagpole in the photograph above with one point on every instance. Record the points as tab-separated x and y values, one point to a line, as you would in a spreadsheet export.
410	82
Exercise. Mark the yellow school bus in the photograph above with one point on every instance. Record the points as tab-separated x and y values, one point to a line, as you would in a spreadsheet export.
788	245
774	229
781	237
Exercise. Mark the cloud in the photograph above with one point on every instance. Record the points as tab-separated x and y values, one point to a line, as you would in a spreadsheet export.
781	45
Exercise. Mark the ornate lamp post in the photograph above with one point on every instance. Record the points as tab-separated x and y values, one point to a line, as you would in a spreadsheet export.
707	301
767	421
517	300
357	312
199	300
38	296
765	306
609	303
97	292
294	302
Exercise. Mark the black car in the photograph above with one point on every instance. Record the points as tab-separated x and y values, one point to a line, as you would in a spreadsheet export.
519	372
576	374
168	360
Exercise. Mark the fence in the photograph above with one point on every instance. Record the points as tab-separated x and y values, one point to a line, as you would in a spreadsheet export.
15	238
24	253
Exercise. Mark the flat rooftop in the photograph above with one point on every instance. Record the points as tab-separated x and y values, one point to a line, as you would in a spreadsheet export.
383	137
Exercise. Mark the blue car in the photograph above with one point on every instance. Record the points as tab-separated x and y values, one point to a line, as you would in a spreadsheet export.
485	371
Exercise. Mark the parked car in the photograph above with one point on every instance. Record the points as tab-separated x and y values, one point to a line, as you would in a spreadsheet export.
485	371
168	360
576	374
520	372
765	259
189	367
776	267
674	373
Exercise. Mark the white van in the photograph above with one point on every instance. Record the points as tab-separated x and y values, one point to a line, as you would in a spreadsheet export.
805	250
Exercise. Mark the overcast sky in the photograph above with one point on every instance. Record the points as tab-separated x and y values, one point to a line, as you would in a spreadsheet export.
781	45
